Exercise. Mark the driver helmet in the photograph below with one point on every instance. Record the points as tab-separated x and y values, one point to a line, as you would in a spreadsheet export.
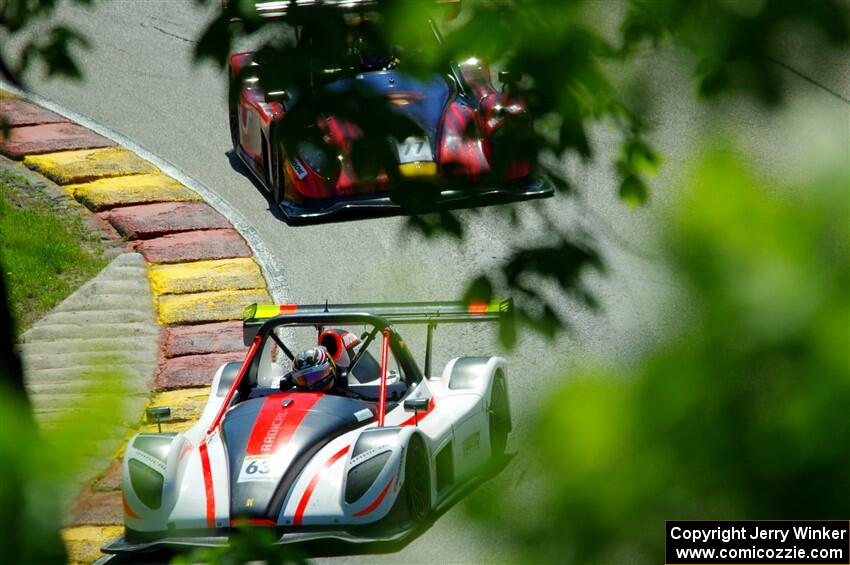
314	370
368	49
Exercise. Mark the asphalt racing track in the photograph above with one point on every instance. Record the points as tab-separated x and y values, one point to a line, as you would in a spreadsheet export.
141	83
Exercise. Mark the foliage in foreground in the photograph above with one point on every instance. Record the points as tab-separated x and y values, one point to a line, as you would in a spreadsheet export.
739	413
38	465
45	255
51	45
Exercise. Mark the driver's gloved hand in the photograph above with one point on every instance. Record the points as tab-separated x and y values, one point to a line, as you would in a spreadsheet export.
286	381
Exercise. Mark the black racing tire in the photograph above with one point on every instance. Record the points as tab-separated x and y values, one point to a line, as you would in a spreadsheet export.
500	419
277	176
417	481
233	115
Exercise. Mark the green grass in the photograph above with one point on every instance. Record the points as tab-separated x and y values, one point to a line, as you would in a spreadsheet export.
46	252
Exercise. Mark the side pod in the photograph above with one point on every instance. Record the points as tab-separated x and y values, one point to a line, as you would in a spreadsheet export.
475	374
377	460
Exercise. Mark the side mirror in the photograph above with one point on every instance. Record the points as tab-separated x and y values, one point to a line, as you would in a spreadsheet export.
416	404
158	414
508	78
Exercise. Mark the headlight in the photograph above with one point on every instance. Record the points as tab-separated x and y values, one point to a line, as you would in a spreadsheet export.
363	475
367	467
147	484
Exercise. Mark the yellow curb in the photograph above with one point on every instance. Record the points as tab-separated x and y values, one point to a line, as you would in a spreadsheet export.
84	542
199	276
186	406
5	94
186	403
216	306
67	167
133	189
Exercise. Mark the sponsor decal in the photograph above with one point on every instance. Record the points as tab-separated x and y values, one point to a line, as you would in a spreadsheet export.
275	424
414	149
267	446
149	460
471	443
257	469
300	170
404	98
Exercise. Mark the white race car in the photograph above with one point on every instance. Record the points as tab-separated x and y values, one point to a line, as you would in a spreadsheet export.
369	460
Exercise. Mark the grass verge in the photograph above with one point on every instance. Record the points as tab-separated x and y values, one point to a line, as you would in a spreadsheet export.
46	251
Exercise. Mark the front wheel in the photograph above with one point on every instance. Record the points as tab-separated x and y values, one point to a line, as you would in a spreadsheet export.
276	172
500	420
417	481
233	115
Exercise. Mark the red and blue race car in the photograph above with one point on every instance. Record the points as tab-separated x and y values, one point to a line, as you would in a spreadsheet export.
456	154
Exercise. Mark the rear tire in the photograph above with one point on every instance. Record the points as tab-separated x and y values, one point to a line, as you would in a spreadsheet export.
233	115
500	420
417	481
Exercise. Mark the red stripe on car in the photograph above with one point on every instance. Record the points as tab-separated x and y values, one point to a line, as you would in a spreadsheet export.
208	484
377	502
275	423
337	134
460	119
186	449
308	492
127	510
253	522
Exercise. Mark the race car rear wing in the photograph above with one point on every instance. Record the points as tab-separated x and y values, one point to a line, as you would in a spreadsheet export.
279	9
429	313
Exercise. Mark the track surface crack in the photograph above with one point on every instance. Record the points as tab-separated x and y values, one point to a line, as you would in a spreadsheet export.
168	33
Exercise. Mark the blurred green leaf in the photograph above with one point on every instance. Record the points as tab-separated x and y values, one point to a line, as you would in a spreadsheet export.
480	289
740	416
633	191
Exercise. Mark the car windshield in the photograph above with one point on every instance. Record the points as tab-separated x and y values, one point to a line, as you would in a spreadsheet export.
365	50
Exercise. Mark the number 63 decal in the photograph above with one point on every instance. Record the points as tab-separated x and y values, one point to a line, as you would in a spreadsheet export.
256	469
